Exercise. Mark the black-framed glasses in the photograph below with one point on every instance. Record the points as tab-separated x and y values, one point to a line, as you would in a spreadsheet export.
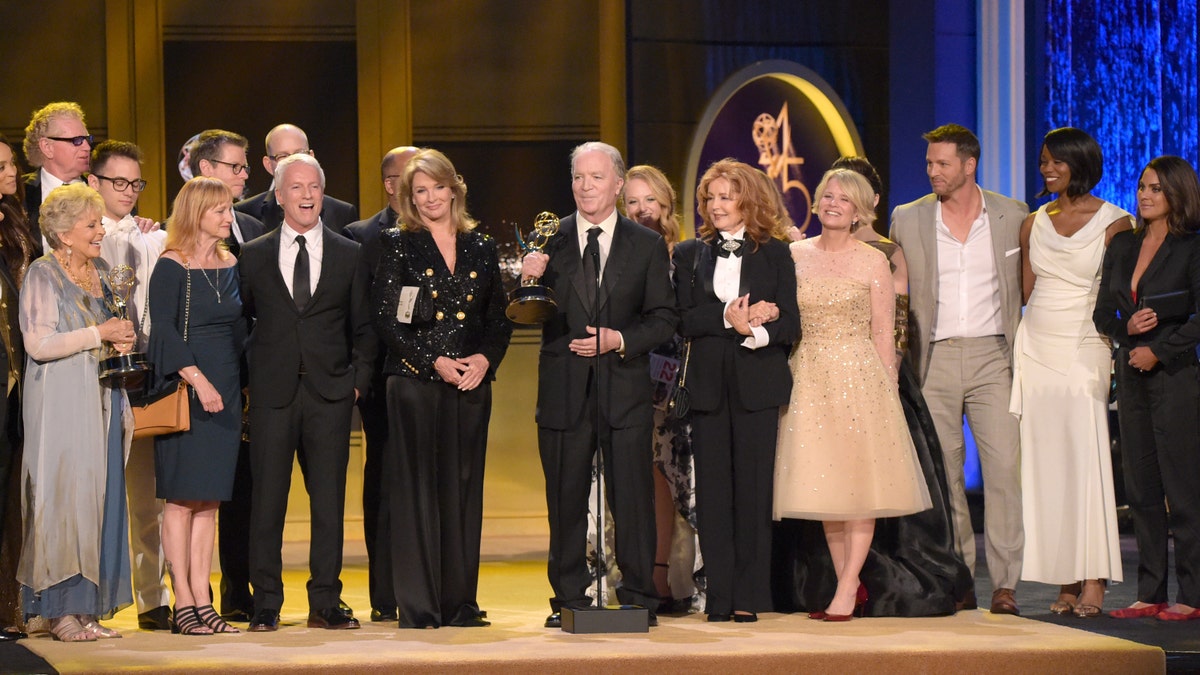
120	184
236	168
74	140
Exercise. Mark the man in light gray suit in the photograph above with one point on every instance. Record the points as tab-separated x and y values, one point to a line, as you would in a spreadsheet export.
964	267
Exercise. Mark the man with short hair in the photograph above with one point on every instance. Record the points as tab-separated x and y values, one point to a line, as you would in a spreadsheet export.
964	275
221	154
116	173
58	145
311	353
284	141
611	278
373	407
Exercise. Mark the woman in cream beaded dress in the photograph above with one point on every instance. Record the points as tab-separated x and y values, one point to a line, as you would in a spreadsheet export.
833	463
1061	367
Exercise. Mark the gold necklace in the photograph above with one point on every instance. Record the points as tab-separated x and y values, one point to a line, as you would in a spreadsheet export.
85	284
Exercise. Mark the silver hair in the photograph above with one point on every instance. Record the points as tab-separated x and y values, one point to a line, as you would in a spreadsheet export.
298	158
613	154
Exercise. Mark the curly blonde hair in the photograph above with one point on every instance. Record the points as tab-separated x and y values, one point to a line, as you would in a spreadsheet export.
39	127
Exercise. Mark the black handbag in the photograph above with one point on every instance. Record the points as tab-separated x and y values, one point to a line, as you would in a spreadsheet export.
679	403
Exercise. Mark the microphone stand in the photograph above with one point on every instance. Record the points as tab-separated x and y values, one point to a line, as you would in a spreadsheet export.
599	619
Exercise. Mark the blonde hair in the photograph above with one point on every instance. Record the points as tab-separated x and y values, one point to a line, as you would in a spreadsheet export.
760	208
438	167
39	127
857	188
64	206
660	187
198	196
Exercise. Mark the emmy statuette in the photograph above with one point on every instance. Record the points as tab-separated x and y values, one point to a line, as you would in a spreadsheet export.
128	368
533	303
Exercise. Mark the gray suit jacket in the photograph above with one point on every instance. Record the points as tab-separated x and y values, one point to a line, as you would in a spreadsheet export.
913	227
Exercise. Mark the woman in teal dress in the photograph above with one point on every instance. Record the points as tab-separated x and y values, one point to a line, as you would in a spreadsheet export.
197	336
74	566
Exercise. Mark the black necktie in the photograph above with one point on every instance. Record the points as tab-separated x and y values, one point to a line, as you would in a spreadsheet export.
591	254
724	247
300	290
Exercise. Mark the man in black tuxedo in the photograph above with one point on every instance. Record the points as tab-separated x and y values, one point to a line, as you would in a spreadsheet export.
593	378
58	145
283	141
221	154
373	407
310	353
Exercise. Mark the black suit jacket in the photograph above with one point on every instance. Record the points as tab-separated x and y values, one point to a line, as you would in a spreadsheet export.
1175	267
366	232
331	336
634	298
335	213
468	305
763	377
251	227
12	355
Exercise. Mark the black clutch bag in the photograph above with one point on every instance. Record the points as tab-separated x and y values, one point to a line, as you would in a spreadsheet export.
1170	307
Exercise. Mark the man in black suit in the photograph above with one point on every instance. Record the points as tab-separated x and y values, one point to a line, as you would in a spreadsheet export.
310	355
593	378
373	407
221	154
58	144
283	141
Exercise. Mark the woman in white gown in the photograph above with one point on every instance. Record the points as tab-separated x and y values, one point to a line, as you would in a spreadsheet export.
1061	367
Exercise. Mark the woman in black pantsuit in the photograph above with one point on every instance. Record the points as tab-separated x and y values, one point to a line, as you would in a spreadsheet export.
736	292
1147	305
439	307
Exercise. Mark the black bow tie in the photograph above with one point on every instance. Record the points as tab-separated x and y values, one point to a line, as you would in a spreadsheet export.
724	247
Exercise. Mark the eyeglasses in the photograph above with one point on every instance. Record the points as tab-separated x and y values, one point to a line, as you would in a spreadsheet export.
120	184
236	168
284	155
73	140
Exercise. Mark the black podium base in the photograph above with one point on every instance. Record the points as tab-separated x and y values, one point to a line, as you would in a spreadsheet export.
623	619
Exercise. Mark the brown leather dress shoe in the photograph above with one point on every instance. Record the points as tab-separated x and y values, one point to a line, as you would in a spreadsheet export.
1004	602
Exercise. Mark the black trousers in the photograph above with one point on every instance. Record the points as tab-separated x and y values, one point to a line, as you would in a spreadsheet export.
374	412
323	427
233	539
734	453
1159	413
567	464
434	468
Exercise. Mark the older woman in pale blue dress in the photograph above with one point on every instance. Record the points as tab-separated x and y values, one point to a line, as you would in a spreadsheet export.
74	566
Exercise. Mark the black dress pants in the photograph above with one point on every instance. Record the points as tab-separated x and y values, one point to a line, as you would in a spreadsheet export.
434	472
1159	412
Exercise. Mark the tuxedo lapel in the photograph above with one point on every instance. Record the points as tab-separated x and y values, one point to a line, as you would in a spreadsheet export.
706	267
749	264
276	274
331	264
572	265
1161	256
618	258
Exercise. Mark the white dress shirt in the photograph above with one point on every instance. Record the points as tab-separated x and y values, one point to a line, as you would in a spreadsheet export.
124	243
968	302
606	236
727	281
314	243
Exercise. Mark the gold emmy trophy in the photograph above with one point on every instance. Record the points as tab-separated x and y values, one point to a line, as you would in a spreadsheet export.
132	366
531	302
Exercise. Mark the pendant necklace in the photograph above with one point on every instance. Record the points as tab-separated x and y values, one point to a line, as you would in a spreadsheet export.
211	285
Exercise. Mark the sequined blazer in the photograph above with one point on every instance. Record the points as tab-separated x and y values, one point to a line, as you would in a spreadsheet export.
468	305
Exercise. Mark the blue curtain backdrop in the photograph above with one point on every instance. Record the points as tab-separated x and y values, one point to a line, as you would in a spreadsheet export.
1124	71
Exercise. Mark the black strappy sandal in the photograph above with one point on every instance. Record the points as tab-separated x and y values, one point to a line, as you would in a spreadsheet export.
213	620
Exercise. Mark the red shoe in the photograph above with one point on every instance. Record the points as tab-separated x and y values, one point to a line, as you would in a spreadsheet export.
1138	612
1177	616
836	617
817	616
860	601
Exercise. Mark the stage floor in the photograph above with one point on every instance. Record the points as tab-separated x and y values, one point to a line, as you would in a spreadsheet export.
513	589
